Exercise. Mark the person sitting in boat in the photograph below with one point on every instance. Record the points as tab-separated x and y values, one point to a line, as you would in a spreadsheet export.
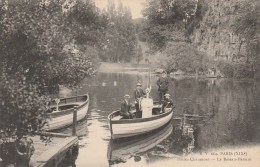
125	108
138	94
167	103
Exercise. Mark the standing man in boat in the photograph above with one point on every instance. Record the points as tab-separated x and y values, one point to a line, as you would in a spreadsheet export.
162	84
125	108
138	94
167	103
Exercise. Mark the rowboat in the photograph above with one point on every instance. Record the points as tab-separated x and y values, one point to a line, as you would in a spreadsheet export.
120	128
62	115
124	149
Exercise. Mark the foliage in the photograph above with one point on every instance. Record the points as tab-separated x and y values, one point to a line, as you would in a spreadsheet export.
140	24
171	23
243	71
246	21
168	16
169	11
120	34
226	69
235	70
22	107
180	55
245	25
88	24
168	28
139	54
38	53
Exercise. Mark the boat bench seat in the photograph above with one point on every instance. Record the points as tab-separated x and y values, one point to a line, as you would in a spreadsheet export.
117	117
65	104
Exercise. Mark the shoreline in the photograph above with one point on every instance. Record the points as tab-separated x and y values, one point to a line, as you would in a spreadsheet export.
107	67
131	68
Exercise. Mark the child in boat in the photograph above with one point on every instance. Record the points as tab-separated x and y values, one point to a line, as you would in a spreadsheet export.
138	94
125	108
167	103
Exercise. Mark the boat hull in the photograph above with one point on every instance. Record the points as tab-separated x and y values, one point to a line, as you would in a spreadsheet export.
63	120
133	127
120	149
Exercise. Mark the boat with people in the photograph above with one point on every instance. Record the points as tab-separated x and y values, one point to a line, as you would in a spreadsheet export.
120	128
147	116
61	111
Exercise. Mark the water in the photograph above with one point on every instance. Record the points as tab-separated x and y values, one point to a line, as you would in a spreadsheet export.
228	110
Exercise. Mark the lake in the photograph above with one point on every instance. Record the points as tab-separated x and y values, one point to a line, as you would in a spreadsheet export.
226	115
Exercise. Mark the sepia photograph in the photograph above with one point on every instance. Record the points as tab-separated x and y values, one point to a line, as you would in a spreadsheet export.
129	83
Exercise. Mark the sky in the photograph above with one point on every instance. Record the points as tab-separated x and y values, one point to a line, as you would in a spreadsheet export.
135	6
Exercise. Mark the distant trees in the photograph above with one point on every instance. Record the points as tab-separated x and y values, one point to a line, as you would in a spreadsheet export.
140	25
139	54
120	34
169	16
42	44
169	24
182	56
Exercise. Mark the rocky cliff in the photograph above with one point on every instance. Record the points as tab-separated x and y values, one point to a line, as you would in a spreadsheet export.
216	36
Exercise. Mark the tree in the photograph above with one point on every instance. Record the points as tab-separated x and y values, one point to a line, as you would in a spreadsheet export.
139	54
180	55
120	34
39	52
168	16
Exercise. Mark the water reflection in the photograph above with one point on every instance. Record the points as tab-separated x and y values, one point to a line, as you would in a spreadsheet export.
227	115
124	149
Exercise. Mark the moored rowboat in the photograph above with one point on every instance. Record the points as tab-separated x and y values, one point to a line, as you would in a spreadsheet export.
64	116
120	128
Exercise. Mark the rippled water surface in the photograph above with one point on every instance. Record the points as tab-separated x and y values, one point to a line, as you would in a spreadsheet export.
226	114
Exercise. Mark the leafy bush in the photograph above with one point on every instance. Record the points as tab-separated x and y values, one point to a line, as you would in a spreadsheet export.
226	69
180	55
38	52
238	70
243	71
165	17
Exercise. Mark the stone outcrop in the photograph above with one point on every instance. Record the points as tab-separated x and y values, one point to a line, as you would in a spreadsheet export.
215	35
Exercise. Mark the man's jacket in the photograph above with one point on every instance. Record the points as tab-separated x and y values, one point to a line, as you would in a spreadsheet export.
163	84
125	107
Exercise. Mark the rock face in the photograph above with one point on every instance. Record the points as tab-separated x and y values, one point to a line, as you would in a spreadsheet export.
231	45
215	36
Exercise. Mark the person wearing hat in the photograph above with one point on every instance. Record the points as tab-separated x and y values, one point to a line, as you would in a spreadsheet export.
167	103
125	108
162	84
138	94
